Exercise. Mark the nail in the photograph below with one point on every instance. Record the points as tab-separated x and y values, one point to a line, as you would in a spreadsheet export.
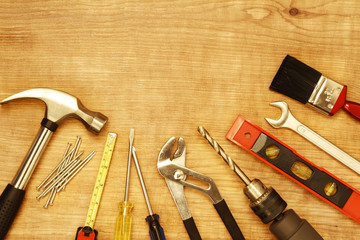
59	178
78	168
56	168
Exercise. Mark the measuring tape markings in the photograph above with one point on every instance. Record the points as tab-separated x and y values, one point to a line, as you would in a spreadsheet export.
100	180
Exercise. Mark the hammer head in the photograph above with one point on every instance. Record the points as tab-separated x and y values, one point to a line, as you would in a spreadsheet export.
61	105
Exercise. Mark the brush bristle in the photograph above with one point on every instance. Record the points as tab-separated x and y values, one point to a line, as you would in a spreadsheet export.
295	79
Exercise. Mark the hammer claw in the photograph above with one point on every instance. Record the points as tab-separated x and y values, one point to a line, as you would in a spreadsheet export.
59	106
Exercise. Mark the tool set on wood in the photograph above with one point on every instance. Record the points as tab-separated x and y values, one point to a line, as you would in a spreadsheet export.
294	79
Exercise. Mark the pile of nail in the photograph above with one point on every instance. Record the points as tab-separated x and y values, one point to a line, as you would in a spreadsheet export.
64	172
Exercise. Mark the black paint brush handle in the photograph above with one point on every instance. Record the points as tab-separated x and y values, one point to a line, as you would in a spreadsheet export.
10	202
353	108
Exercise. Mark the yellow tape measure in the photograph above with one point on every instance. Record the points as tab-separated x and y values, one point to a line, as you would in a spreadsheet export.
100	180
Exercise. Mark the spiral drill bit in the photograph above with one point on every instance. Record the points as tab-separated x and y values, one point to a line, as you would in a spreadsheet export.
222	153
267	204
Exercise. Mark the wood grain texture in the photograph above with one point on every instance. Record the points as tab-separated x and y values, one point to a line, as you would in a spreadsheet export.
165	67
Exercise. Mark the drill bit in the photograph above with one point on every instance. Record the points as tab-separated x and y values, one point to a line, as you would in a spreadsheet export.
267	204
222	153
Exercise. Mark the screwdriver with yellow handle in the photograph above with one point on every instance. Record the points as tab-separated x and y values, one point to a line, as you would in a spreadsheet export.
124	219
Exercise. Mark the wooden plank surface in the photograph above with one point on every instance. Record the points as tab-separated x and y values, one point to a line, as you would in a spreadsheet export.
163	68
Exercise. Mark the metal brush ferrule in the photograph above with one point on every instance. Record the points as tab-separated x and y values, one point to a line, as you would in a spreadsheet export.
325	95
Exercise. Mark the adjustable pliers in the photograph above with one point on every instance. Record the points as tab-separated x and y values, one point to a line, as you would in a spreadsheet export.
175	172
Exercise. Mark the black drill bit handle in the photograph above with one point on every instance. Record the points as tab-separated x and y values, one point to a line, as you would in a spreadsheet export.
229	221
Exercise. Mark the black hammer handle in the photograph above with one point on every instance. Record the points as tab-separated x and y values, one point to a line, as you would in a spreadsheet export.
229	221
10	201
192	229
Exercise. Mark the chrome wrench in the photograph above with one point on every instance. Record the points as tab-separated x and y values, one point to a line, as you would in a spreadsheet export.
287	120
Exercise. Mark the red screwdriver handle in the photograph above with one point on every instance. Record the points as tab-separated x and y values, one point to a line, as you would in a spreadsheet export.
353	108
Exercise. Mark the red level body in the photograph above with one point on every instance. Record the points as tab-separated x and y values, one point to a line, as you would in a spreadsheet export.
256	140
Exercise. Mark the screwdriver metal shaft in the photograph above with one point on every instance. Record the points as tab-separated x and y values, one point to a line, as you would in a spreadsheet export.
142	181
226	157
131	141
155	230
124	219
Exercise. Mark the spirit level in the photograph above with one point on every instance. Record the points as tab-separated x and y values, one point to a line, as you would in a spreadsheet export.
286	160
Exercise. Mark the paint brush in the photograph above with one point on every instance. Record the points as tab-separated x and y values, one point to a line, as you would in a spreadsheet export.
303	83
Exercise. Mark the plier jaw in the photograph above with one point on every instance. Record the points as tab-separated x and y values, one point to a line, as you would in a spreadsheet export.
167	168
173	169
165	156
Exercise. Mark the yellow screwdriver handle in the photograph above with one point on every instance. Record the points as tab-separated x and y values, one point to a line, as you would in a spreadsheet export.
123	221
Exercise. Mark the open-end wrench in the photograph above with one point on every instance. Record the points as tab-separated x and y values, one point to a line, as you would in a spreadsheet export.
287	120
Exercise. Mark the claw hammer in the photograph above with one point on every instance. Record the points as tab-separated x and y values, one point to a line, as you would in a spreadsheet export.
59	107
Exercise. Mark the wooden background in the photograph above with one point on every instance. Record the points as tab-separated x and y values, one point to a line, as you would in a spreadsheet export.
163	68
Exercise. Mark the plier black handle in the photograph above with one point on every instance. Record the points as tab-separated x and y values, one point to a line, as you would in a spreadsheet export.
173	169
